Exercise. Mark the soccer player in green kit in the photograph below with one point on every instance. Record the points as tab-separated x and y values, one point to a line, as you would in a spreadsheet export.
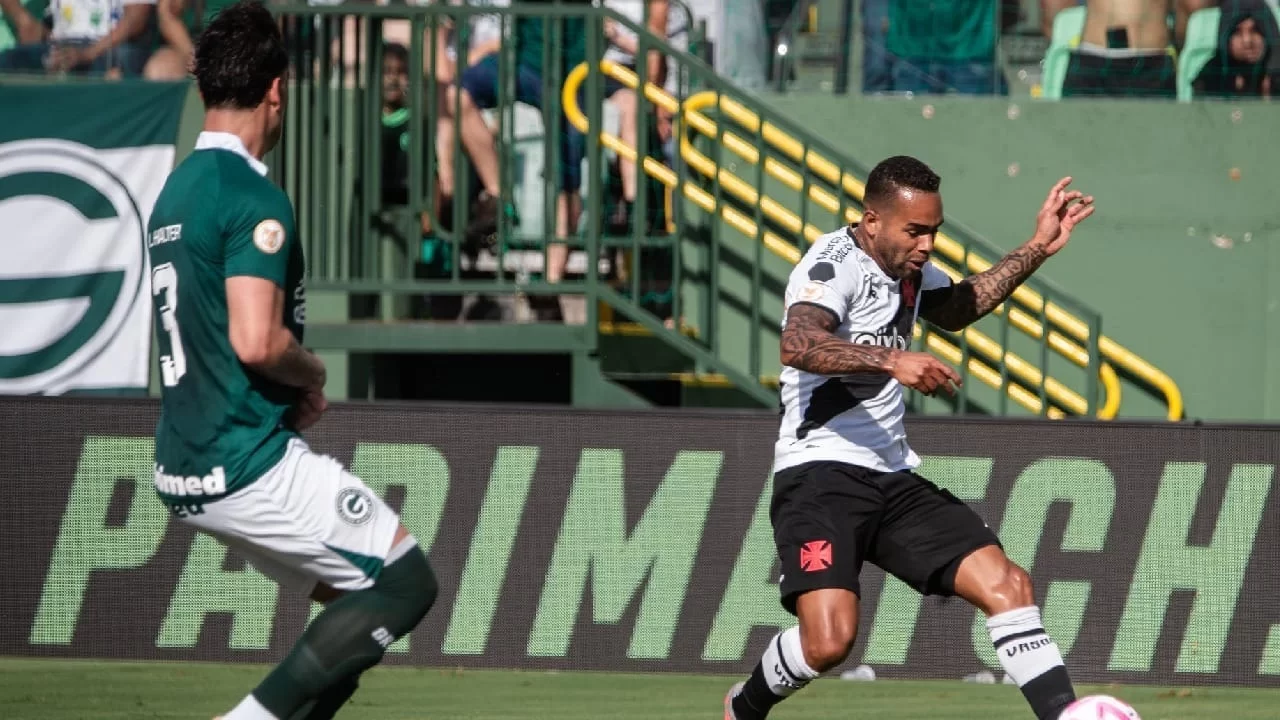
238	387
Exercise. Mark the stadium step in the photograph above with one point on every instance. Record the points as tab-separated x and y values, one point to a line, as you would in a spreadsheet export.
688	389
630	349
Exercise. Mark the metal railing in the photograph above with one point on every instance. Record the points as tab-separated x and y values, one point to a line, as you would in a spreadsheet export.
362	244
1056	322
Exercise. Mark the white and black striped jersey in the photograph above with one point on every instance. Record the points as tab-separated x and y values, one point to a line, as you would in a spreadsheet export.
857	418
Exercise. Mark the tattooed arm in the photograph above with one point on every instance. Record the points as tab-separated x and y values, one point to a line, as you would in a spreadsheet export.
809	343
975	296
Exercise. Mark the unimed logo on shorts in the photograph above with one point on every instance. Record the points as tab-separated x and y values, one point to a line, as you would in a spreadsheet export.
74	262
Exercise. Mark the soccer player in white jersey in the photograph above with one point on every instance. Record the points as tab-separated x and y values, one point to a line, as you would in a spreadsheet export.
844	490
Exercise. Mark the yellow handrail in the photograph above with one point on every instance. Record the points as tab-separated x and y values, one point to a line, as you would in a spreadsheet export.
948	247
781	215
1021	368
1078	355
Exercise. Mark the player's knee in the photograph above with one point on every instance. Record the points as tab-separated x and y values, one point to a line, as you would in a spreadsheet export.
828	648
1009	589
411	584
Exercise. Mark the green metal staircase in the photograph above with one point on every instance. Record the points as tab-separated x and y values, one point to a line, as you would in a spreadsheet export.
745	193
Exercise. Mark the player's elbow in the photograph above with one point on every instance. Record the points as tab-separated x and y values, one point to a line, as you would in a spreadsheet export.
253	347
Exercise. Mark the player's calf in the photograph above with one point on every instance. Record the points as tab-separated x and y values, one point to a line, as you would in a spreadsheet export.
794	657
1003	591
346	639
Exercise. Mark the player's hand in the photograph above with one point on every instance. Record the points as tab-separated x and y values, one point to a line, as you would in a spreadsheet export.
924	372
310	406
1061	212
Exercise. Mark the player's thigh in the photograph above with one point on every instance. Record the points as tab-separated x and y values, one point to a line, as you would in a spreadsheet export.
824	515
307	521
925	533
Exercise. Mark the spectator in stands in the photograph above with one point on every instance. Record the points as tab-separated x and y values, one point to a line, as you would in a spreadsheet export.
665	22
179	22
945	47
1247	33
436	256
479	85
877	61
87	37
1125	49
11	35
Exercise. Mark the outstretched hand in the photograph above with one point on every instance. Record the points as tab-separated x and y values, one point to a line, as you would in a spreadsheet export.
1062	211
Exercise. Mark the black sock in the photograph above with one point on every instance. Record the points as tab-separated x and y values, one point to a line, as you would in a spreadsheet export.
781	672
755	699
1049	693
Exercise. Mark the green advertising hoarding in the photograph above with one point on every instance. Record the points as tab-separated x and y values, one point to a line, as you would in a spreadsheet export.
640	542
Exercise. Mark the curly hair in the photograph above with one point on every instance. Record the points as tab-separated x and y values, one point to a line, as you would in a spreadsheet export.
900	172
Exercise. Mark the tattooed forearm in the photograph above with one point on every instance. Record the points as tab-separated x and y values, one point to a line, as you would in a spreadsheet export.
809	345
977	295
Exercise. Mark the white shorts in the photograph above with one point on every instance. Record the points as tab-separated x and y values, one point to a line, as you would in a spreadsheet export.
306	521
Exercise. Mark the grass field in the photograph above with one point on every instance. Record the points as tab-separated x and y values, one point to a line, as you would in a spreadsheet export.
82	690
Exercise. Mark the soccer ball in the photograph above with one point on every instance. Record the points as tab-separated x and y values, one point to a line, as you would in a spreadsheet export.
1098	707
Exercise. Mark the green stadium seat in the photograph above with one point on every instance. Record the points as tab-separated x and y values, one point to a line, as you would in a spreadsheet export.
1068	26
1199	48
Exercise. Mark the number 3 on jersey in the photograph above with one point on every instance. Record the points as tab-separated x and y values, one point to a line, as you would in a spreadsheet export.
164	279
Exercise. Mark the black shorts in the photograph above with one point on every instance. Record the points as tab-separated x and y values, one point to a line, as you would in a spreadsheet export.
1124	77
829	517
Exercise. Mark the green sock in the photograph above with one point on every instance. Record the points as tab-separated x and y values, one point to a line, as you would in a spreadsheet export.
330	701
348	638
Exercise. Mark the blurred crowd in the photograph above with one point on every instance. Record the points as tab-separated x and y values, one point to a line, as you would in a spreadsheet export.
1115	48
1110	48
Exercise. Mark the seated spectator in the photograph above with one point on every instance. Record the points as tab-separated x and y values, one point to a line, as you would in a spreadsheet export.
479	85
88	36
1247	33
945	47
11	35
623	46
1125	48
179	22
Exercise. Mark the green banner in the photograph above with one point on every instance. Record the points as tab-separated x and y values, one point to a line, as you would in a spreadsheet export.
80	168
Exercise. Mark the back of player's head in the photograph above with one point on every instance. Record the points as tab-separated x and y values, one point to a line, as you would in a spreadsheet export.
239	54
898	173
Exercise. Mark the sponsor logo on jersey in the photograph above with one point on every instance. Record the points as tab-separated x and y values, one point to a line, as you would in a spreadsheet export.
355	506
837	249
212	485
70	282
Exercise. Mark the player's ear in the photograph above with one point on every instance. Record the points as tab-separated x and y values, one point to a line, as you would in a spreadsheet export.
275	92
870	222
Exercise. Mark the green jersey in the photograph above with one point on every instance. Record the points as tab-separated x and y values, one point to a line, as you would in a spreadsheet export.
218	216
533	32
942	30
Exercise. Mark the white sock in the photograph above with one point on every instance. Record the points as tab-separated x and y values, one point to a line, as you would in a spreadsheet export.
249	709
783	663
1026	651
1032	660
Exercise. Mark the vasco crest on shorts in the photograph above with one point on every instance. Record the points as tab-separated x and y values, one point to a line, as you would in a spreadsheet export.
355	506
